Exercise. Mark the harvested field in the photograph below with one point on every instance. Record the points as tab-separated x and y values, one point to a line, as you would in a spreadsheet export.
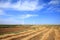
35	33
7	30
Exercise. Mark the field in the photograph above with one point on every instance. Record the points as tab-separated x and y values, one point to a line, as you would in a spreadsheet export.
29	32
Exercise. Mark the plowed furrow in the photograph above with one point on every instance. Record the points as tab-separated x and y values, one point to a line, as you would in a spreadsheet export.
33	35
39	36
10	35
51	36
46	35
17	36
57	34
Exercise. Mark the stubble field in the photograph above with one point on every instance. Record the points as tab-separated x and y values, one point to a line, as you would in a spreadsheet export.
31	32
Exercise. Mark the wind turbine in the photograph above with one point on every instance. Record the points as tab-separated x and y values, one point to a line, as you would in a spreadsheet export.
23	22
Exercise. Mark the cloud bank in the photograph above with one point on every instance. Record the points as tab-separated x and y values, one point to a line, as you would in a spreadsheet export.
21	5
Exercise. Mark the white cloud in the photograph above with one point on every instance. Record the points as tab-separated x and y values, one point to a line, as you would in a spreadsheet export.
54	2
53	6
27	16
16	19
10	20
22	5
2	12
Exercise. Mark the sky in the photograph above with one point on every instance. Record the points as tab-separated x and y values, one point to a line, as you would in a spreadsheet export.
29	11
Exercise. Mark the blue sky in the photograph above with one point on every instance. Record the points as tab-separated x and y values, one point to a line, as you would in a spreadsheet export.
29	11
